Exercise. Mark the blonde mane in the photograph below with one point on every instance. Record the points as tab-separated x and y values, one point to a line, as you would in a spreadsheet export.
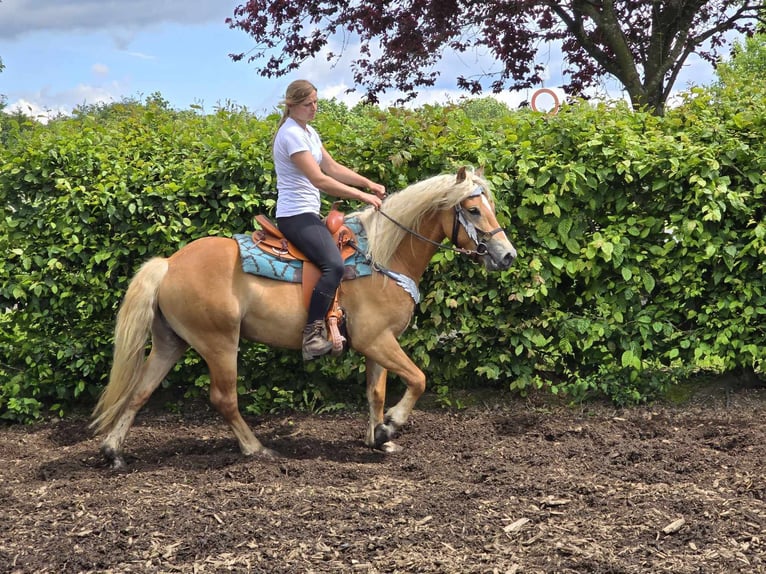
409	206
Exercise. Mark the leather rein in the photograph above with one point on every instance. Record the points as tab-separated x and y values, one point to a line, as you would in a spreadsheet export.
479	236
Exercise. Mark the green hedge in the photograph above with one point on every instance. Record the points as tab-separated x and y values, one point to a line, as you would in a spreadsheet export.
640	239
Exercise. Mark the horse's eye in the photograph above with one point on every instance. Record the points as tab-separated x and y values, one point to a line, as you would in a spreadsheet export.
474	211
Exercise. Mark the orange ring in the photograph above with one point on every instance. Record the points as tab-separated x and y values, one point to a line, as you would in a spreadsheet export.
551	93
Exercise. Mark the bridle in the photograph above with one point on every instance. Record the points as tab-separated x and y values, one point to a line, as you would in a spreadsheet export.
479	236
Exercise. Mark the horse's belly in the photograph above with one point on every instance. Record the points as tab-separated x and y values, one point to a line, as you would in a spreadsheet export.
273	313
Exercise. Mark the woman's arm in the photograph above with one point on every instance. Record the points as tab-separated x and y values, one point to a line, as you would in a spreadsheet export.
349	176
332	185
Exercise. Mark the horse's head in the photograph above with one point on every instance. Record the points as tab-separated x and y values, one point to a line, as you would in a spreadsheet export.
474	227
457	207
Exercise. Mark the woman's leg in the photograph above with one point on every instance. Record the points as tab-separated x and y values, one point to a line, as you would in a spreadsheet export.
309	234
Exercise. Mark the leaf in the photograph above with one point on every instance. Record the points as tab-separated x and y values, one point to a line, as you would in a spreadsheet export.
564	227
648	281
630	360
608	249
573	246
557	262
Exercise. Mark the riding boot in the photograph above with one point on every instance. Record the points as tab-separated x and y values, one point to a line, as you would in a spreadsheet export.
315	343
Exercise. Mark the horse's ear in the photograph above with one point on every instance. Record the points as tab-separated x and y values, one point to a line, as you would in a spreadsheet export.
461	175
480	172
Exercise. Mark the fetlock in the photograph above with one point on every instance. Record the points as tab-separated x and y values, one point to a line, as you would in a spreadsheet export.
315	343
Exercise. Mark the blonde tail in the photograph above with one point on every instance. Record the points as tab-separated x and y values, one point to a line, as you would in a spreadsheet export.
134	321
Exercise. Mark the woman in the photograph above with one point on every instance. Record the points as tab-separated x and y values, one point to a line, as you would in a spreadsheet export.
304	168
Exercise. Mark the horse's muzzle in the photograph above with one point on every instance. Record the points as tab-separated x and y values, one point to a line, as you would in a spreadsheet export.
498	255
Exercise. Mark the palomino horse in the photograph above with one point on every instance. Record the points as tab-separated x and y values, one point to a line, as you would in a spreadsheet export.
200	297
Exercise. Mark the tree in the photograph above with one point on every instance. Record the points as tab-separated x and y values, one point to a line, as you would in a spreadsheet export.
747	66
641	43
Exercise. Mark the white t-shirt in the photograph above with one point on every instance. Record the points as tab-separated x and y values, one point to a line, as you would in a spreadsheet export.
295	193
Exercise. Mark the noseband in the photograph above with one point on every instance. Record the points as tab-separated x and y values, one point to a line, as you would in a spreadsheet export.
479	236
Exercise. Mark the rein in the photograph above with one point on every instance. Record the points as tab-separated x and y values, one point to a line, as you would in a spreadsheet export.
459	219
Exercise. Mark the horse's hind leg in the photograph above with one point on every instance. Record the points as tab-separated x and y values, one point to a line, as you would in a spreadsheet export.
167	349
223	395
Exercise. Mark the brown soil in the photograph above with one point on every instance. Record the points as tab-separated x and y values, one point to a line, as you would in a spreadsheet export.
518	486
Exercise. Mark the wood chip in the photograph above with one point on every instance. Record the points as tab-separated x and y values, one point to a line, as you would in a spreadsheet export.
425	520
551	501
515	526
674	526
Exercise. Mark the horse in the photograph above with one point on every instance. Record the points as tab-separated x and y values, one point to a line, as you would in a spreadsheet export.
201	298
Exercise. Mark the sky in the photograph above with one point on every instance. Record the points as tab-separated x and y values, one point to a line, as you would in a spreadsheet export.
61	54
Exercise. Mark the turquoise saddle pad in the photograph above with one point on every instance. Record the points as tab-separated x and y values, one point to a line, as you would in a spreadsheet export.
257	262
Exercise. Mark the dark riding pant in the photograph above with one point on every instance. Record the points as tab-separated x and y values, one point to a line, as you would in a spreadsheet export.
308	233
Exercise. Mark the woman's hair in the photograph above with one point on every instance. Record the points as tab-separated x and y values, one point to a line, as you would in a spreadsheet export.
297	91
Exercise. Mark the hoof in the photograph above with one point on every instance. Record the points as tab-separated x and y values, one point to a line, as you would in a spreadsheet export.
263	453
268	454
390	447
384	432
114	458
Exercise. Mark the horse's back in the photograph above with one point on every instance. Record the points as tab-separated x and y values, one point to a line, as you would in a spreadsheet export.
206	252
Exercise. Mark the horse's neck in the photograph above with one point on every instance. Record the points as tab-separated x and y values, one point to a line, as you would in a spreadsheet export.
414	254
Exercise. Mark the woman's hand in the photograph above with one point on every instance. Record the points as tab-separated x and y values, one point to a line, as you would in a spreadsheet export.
378	190
373	200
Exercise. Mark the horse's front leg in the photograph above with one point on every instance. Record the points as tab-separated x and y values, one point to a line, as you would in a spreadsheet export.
389	356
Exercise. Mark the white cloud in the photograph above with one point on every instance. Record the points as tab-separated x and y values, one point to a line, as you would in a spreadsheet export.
35	110
20	17
139	55
100	69
45	104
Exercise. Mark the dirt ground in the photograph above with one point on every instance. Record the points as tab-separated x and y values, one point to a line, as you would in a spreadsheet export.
504	486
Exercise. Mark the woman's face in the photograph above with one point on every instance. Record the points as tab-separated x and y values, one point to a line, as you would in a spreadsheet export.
305	111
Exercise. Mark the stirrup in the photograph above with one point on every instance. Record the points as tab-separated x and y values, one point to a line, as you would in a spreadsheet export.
335	317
